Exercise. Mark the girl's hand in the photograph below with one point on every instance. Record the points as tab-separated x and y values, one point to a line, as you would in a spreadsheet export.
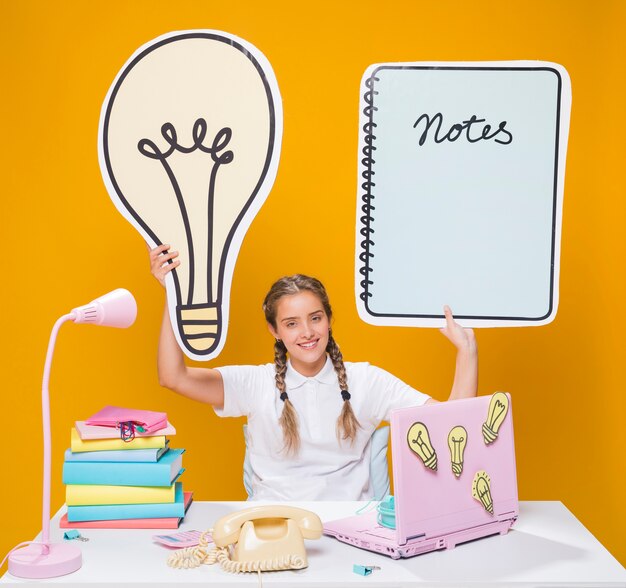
159	258
462	339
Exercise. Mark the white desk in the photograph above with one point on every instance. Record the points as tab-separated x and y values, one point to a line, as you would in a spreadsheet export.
547	547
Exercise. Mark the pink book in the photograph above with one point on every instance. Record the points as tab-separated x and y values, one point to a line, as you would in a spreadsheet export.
90	432
165	523
112	416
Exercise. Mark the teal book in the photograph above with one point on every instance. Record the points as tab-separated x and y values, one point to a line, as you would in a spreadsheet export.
159	473
110	512
134	455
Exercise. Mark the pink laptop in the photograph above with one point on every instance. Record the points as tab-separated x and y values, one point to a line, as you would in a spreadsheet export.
454	479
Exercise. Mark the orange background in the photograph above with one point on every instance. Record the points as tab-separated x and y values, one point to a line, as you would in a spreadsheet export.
65	243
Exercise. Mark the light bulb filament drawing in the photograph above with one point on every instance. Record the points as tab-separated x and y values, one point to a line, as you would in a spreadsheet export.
419	443
457	440
500	408
422	446
481	490
148	148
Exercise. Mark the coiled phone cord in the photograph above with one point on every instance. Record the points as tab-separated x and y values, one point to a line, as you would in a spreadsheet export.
193	557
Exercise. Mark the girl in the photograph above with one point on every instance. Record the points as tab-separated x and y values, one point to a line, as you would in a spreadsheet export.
310	415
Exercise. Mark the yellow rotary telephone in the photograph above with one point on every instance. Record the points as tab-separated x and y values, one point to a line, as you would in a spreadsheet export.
261	538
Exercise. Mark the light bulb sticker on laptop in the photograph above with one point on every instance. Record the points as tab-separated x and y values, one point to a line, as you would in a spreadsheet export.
481	490
457	440
498	409
419	443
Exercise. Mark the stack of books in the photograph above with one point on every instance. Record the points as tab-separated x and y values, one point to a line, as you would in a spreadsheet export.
113	482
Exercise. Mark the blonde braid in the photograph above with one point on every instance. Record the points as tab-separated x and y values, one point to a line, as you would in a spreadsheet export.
288	418
347	423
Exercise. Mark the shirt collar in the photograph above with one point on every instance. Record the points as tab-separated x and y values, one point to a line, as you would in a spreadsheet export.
326	375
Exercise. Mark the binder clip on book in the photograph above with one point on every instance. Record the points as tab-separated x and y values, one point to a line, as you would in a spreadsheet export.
127	430
129	421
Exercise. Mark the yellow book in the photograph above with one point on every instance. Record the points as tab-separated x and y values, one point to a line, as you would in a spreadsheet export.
84	494
78	445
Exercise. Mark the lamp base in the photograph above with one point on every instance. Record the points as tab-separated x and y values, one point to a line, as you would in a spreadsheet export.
28	562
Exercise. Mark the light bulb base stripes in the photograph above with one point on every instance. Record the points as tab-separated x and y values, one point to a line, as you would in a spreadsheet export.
489	435
431	462
200	326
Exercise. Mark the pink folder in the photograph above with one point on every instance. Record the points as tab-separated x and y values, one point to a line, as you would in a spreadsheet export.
89	432
112	416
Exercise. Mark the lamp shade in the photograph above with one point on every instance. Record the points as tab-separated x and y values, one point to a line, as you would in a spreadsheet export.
115	309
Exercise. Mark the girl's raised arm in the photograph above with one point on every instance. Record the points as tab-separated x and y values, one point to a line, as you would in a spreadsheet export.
202	384
465	383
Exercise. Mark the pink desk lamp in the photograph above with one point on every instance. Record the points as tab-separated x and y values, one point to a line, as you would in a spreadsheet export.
47	559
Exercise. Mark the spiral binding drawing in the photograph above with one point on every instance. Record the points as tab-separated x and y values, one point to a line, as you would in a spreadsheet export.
368	184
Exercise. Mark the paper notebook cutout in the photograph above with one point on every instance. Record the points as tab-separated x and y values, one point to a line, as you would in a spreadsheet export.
460	188
111	416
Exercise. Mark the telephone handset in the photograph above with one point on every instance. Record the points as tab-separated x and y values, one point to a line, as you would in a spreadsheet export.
261	538
268	534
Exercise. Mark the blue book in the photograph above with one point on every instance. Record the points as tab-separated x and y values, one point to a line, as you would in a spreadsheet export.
109	512
159	473
133	455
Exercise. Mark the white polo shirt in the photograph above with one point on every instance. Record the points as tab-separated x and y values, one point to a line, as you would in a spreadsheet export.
324	468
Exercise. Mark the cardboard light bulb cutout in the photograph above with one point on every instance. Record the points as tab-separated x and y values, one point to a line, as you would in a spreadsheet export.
189	143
